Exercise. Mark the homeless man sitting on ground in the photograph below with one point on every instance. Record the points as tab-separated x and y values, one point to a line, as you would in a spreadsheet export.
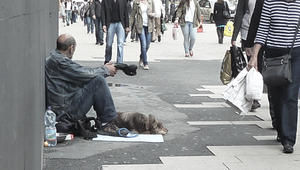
73	89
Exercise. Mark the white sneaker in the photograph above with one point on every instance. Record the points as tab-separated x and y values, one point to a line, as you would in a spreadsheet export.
146	67
141	63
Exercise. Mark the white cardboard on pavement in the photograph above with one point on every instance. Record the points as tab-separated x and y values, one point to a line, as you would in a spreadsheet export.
139	138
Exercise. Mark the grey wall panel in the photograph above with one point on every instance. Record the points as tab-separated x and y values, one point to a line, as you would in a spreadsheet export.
28	29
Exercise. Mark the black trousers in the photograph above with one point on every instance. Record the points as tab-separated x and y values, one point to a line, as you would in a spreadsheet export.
220	32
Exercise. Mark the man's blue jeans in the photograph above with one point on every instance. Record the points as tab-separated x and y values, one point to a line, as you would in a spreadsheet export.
145	39
99	30
115	28
68	16
285	99
90	25
95	93
189	35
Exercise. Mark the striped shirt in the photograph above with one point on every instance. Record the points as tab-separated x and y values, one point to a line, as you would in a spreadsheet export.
278	24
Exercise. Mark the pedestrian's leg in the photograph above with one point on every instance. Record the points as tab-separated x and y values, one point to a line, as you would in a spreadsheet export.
219	34
109	41
97	30
120	38
158	30
192	38
143	46
290	102
92	25
100	32
185	33
222	34
88	24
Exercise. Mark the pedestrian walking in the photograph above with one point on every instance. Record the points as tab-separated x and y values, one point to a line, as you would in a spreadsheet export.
96	14
74	12
159	11
68	8
89	17
220	19
278	41
62	12
115	21
188	16
142	17
242	20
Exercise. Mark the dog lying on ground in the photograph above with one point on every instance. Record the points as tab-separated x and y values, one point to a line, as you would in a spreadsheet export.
140	123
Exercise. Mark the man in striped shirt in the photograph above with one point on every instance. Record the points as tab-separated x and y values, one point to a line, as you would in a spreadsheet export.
277	27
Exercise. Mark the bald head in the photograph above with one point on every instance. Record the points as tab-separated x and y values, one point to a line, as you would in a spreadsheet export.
64	42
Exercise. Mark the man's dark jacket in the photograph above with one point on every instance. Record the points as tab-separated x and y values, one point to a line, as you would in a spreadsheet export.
255	19
107	11
97	9
65	80
241	9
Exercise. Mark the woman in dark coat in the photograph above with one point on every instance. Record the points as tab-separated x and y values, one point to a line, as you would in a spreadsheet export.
219	19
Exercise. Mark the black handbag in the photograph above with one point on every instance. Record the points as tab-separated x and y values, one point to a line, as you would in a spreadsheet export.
278	70
226	13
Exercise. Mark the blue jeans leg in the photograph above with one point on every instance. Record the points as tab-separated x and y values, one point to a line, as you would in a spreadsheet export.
97	94
189	35
98	30
290	102
88	24
120	38
109	41
145	39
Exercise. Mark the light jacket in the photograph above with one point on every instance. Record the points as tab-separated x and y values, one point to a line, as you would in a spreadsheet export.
136	18
181	11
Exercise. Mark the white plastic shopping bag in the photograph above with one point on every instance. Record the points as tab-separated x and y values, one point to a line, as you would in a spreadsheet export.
235	92
254	85
174	32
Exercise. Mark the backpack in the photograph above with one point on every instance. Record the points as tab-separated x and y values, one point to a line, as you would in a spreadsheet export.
83	127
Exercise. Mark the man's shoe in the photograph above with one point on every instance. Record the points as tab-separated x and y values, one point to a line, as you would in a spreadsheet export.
278	139
97	43
101	43
255	105
287	148
141	63
112	129
146	67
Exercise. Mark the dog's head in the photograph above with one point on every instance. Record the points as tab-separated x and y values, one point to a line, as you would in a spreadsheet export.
155	126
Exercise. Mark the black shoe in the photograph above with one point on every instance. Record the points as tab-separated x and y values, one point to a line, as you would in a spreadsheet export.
101	43
112	129
97	43
287	148
278	139
159	38
255	105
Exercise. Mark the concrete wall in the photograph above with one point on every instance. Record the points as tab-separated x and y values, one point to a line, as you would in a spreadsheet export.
28	29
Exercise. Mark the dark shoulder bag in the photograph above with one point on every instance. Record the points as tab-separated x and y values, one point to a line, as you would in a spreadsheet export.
226	13
278	70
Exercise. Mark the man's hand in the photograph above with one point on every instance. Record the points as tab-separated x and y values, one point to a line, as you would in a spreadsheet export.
233	43
252	62
127	29
104	28
249	51
112	69
94	17
176	23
